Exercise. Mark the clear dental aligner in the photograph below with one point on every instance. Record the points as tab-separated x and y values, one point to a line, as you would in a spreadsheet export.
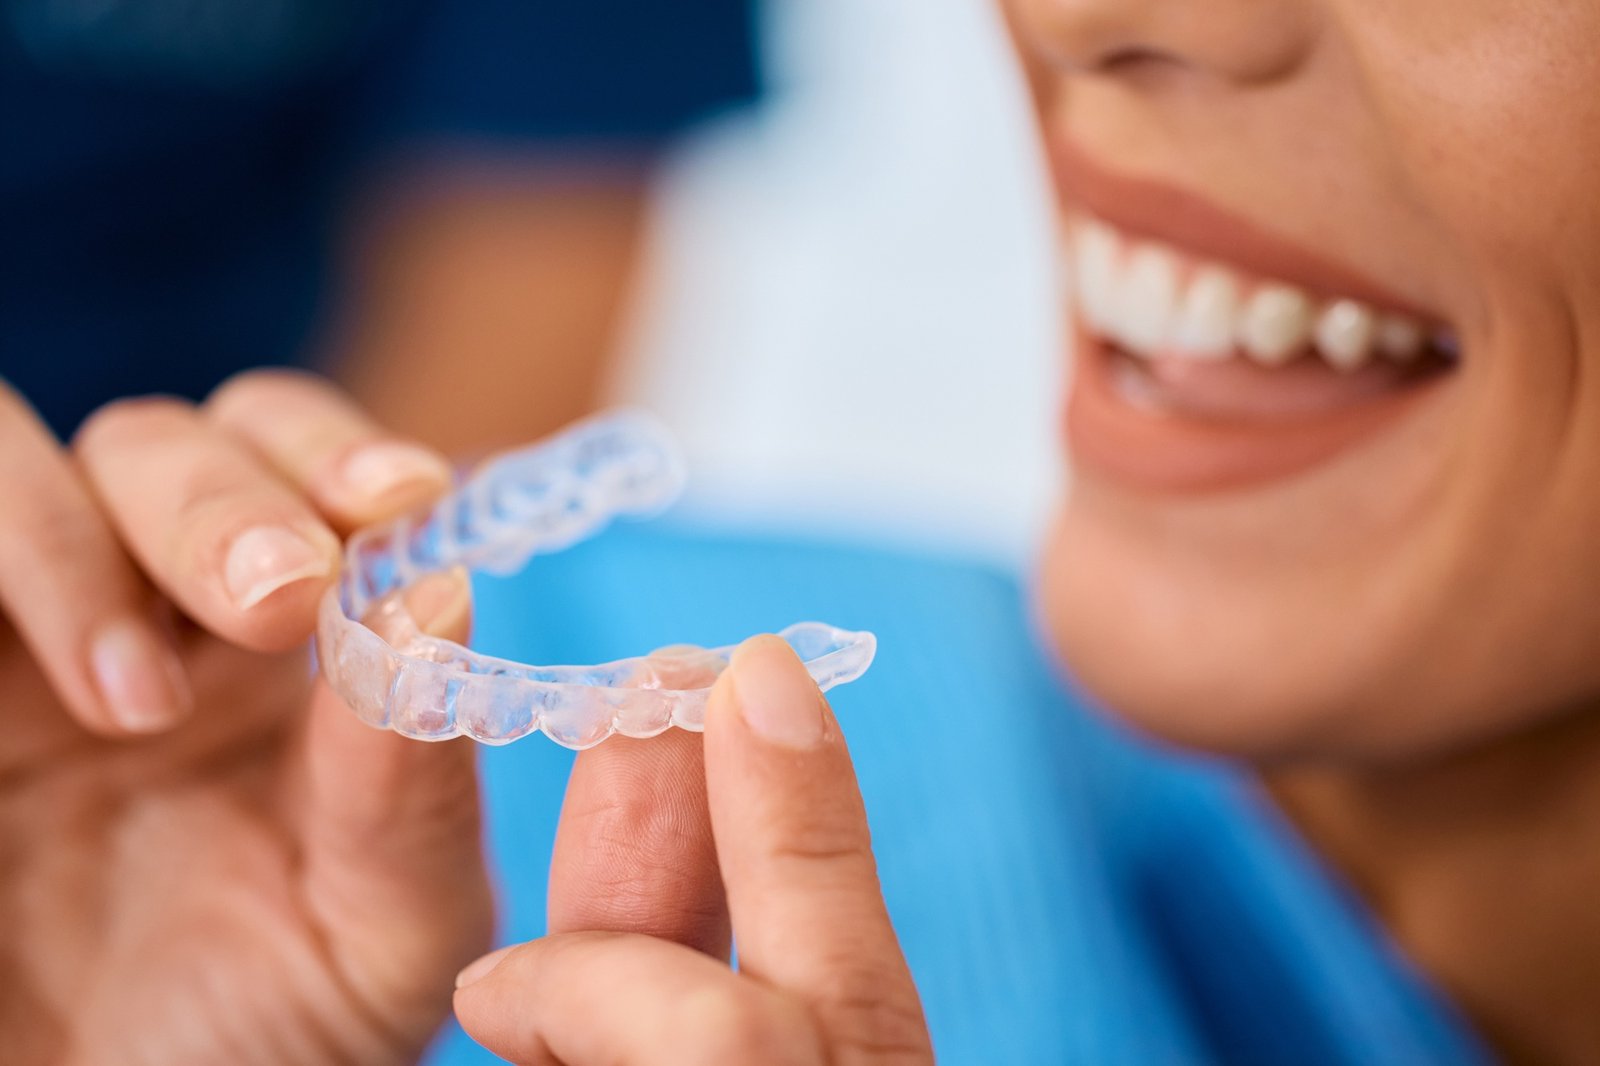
534	500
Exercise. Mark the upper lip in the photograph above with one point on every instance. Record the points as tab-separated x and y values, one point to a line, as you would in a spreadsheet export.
1165	213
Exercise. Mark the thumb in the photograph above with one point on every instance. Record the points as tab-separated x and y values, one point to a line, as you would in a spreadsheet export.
796	858
391	835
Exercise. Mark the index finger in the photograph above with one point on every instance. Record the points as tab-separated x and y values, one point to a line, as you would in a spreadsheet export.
325	445
73	595
796	858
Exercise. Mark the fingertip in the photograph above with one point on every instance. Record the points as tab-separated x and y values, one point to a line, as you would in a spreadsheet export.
273	576
773	693
441	603
379	479
723	698
482	967
761	646
141	682
264	559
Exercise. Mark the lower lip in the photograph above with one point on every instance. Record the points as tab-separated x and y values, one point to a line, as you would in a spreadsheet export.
1172	452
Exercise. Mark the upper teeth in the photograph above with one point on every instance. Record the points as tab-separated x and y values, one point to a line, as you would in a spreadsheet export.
1139	295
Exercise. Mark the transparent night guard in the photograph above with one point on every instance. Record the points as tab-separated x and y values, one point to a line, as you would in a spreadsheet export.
537	499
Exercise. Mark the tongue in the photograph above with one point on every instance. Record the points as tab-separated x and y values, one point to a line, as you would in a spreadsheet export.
1237	388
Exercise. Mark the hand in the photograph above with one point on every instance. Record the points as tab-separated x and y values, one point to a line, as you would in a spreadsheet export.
635	972
207	858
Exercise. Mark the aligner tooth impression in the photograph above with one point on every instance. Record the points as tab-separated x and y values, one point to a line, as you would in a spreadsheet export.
546	496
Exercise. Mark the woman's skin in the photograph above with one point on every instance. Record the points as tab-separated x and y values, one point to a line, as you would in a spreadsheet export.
1403	633
1400	631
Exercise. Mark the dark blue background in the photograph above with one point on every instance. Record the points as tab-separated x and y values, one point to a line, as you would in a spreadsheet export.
171	170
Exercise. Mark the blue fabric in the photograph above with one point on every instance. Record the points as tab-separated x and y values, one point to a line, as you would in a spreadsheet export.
1065	894
171	171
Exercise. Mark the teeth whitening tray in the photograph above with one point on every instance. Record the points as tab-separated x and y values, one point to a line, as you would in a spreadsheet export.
538	499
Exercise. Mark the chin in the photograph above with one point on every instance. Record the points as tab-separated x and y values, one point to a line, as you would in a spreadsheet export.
1189	650
1168	668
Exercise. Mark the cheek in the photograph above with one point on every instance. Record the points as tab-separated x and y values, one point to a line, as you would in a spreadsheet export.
1268	650
1490	115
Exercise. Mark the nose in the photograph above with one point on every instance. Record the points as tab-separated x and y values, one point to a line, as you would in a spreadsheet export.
1242	41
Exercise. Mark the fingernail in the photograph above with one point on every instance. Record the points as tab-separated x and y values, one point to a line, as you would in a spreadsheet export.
478	969
378	470
685	666
141	681
775	696
438	601
264	559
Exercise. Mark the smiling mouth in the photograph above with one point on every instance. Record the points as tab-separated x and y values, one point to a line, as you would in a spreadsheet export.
1199	369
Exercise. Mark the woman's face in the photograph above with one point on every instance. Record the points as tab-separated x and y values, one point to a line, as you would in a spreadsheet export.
1336	418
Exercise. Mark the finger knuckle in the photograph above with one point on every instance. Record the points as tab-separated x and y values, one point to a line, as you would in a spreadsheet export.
50	535
729	1027
129	422
53	534
51	527
872	1009
815	839
246	390
631	901
13	408
211	500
